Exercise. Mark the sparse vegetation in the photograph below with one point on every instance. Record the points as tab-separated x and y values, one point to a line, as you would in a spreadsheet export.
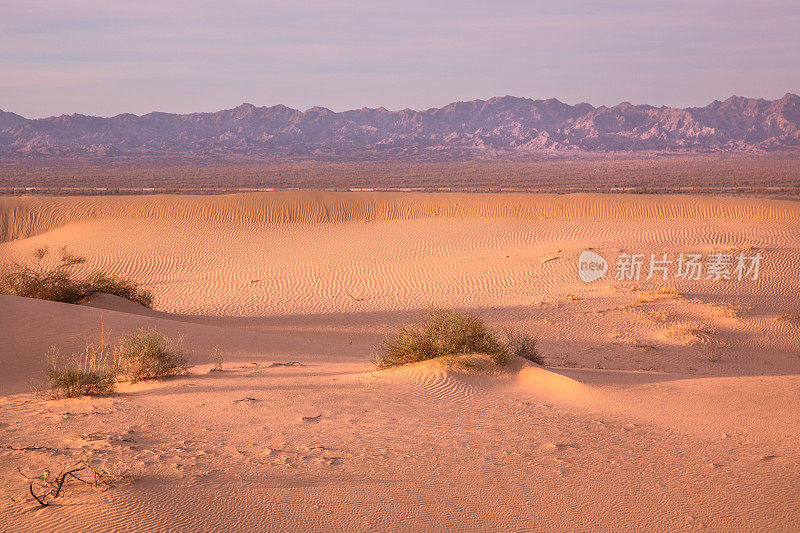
692	334
148	354
124	288
42	281
465	362
145	355
729	310
56	281
661	294
445	333
448	333
524	345
218	359
704	337
747	173
92	373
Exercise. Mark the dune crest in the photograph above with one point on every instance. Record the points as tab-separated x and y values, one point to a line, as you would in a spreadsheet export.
23	217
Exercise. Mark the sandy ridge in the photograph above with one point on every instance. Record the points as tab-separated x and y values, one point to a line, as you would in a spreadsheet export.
22	217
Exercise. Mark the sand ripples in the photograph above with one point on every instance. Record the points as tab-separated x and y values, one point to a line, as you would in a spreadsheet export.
239	255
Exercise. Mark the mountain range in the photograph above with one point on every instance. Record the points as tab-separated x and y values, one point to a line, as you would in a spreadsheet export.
498	127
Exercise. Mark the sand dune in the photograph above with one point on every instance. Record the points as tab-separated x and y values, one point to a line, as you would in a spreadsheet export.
261	255
665	406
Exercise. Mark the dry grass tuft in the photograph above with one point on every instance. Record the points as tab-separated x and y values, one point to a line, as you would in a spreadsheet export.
91	373
124	288
703	336
145	355
729	310
218	359
664	293
80	375
692	334
669	290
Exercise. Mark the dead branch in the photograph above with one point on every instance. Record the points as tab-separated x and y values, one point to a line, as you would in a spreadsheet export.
102	480
246	399
35	497
29	448
354	298
64	478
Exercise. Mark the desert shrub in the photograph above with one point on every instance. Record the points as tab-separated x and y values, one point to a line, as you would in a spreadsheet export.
148	354
92	373
444	333
43	281
523	345
56	282
124	288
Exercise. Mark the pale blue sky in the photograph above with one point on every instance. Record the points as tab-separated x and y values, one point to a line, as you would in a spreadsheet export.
109	57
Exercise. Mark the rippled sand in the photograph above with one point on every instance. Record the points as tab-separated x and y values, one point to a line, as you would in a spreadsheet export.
665	405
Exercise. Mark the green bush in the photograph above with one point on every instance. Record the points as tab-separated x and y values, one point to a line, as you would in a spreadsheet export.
448	333
444	333
57	282
150	355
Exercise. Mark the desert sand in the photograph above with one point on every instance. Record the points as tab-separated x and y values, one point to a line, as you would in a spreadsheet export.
665	404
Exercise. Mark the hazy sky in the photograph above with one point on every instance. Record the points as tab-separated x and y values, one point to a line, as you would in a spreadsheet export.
108	57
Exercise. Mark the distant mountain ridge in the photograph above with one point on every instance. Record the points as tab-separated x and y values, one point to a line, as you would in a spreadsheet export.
496	127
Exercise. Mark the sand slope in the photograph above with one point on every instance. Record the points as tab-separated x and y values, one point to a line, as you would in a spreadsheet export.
418	448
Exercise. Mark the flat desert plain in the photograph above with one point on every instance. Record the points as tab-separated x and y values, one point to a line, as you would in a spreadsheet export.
665	404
